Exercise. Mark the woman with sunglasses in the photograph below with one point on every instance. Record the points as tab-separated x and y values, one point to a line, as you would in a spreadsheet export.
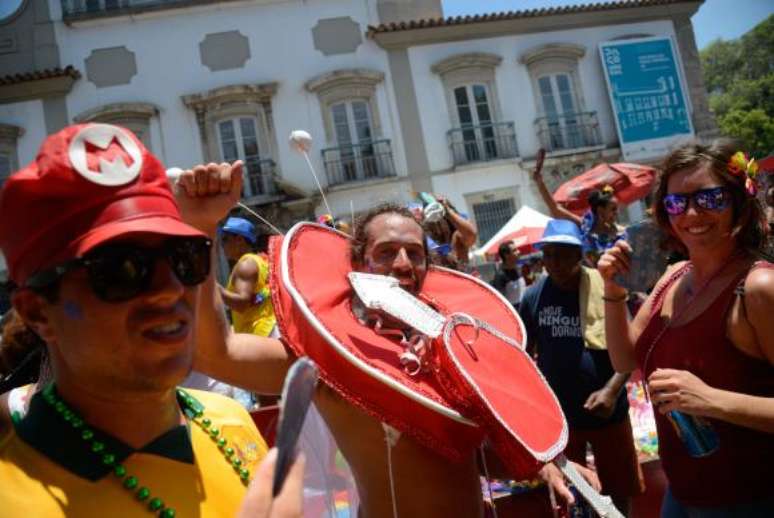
704	339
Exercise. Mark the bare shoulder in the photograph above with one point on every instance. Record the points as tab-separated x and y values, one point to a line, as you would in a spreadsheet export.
759	296
246	267
758	301
759	283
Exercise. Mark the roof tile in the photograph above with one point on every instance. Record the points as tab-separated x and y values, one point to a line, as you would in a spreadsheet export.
512	15
37	75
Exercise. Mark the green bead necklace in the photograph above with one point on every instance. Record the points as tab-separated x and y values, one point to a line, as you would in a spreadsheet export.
193	410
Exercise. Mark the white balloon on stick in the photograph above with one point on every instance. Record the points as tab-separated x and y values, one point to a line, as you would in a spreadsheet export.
301	142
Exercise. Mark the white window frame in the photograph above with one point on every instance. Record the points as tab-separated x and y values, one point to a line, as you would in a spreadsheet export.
553	59
347	85
469	69
564	119
234	102
239	139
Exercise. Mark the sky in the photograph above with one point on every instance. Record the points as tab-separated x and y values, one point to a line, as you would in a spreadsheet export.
726	19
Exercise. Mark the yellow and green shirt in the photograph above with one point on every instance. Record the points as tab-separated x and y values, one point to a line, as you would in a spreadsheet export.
47	470
258	319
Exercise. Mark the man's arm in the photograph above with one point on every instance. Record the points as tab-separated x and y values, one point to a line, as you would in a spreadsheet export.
602	402
205	194
242	293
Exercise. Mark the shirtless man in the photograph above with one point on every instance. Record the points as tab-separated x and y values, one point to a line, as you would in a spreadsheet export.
388	241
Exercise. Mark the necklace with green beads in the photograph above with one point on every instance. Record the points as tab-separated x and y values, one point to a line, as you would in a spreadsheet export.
192	409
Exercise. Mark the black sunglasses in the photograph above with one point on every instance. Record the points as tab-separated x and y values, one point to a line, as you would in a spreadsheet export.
119	272
715	199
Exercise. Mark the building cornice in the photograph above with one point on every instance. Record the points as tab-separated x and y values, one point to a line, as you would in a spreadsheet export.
569	51
440	30
140	110
39	84
463	61
259	93
344	78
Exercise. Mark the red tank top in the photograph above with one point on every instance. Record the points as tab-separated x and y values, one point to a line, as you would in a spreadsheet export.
740	470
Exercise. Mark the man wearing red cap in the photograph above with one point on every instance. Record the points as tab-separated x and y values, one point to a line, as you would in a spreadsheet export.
109	276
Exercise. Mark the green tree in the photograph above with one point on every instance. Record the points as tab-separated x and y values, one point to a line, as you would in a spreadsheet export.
753	127
739	76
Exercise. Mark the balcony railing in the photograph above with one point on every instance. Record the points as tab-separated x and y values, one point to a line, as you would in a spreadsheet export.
355	162
482	143
259	178
568	131
82	9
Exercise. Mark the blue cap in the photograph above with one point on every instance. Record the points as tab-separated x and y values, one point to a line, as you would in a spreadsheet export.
240	227
561	232
439	249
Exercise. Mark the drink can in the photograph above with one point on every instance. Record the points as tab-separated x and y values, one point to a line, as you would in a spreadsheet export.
697	434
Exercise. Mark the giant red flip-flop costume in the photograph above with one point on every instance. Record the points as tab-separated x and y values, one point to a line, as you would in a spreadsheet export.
476	386
468	378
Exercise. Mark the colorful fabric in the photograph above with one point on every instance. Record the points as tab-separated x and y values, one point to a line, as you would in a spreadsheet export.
47	470
259	318
643	422
593	241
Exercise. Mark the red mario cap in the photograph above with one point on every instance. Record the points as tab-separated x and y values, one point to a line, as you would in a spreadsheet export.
88	184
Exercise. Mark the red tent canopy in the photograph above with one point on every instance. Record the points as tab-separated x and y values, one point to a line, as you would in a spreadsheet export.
630	182
523	238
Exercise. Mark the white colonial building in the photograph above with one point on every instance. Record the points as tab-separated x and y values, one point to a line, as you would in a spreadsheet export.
397	98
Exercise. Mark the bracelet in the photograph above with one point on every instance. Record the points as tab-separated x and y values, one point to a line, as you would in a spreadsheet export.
622	298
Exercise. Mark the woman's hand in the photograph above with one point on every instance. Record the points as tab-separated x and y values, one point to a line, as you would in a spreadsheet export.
258	502
672	389
615	261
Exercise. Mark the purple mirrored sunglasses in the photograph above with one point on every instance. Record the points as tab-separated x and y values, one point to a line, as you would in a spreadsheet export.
715	199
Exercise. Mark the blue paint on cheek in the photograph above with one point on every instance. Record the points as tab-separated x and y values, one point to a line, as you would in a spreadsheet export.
72	310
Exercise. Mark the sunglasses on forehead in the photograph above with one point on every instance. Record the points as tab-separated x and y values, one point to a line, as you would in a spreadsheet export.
118	272
715	199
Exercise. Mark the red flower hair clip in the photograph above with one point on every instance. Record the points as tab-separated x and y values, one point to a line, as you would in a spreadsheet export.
741	165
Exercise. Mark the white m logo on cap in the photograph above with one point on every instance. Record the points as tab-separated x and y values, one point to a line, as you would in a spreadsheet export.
110	173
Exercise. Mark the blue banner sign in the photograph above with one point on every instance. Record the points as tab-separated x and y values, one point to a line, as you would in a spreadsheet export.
646	92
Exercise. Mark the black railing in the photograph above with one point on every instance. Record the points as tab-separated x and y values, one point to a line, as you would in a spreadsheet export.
259	178
483	142
79	9
355	162
568	131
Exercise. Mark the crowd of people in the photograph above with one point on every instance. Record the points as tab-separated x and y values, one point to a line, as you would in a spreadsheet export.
121	351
